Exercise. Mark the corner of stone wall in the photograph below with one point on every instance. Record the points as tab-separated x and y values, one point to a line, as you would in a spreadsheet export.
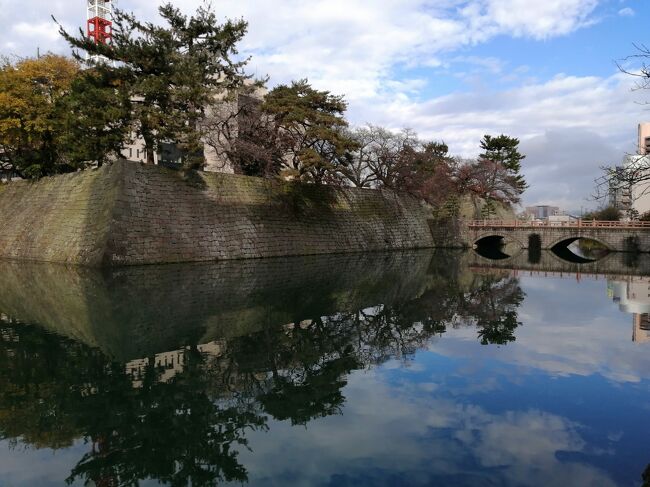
448	232
120	173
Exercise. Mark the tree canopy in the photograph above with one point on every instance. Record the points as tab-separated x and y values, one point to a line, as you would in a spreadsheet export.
31	93
309	130
169	73
504	151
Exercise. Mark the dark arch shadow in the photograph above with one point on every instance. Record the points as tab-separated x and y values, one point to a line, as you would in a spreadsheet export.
534	248
563	251
491	247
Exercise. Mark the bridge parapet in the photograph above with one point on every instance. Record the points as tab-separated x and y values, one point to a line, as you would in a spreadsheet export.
616	236
553	224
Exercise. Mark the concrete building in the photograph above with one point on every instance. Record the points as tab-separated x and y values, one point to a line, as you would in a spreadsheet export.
215	161
633	296
639	194
644	138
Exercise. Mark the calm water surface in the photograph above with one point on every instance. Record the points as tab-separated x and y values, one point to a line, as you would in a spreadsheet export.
387	369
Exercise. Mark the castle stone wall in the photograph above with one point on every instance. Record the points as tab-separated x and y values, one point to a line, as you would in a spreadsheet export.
128	214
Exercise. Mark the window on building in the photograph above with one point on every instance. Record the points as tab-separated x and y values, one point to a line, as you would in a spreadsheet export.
644	322
171	156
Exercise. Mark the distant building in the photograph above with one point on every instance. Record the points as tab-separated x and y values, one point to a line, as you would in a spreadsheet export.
644	139
542	212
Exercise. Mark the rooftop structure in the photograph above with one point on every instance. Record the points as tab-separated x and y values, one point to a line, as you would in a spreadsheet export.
99	25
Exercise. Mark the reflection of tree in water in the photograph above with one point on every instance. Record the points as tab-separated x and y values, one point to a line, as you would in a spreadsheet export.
187	428
646	477
492	306
55	390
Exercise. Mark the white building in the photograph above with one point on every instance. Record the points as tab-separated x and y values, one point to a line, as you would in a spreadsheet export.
633	296
640	193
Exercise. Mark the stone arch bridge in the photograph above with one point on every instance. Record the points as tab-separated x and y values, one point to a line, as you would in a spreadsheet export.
616	236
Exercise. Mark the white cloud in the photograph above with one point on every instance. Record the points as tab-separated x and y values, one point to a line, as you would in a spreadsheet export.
569	127
347	46
540	20
626	12
462	443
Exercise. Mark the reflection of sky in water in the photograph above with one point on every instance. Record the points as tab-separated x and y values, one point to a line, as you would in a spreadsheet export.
566	404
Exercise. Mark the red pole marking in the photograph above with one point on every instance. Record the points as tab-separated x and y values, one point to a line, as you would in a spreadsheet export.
100	30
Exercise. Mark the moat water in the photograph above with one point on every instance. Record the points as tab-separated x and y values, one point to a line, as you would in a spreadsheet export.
417	368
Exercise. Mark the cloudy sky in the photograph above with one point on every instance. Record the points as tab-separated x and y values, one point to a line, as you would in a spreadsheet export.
451	69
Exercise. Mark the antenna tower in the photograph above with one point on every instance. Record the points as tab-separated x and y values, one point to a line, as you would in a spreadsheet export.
99	24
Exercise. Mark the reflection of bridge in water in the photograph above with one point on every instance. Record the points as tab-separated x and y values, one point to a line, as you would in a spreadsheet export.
627	275
615	236
614	264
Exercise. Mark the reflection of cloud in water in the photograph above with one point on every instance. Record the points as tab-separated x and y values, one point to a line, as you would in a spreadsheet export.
377	439
568	329
17	464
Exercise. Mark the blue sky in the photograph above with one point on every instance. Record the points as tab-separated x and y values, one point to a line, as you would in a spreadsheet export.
450	69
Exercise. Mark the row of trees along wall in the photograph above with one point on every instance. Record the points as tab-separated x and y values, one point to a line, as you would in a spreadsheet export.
182	81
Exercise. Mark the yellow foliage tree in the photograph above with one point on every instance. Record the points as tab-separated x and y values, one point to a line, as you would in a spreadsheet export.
30	90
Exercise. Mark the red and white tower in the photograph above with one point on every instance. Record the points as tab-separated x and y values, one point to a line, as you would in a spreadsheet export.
100	23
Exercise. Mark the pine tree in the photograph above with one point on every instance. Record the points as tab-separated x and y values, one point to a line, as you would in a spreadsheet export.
309	130
169	73
504	150
95	120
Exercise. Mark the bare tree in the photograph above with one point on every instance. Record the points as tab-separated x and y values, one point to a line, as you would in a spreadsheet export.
620	186
241	135
357	167
631	179
379	156
490	181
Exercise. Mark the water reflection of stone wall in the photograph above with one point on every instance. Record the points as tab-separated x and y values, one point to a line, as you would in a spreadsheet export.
132	312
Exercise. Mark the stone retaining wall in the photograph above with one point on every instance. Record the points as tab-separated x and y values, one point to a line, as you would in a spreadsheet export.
128	213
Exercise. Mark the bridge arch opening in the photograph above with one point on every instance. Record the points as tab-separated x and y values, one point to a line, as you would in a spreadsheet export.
580	250
493	247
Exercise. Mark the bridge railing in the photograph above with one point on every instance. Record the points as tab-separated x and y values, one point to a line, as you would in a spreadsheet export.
556	224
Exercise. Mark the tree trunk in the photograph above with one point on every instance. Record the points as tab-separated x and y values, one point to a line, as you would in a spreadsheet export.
148	148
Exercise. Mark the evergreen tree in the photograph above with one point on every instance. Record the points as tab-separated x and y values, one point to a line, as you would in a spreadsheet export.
309	126
95	119
169	73
504	150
